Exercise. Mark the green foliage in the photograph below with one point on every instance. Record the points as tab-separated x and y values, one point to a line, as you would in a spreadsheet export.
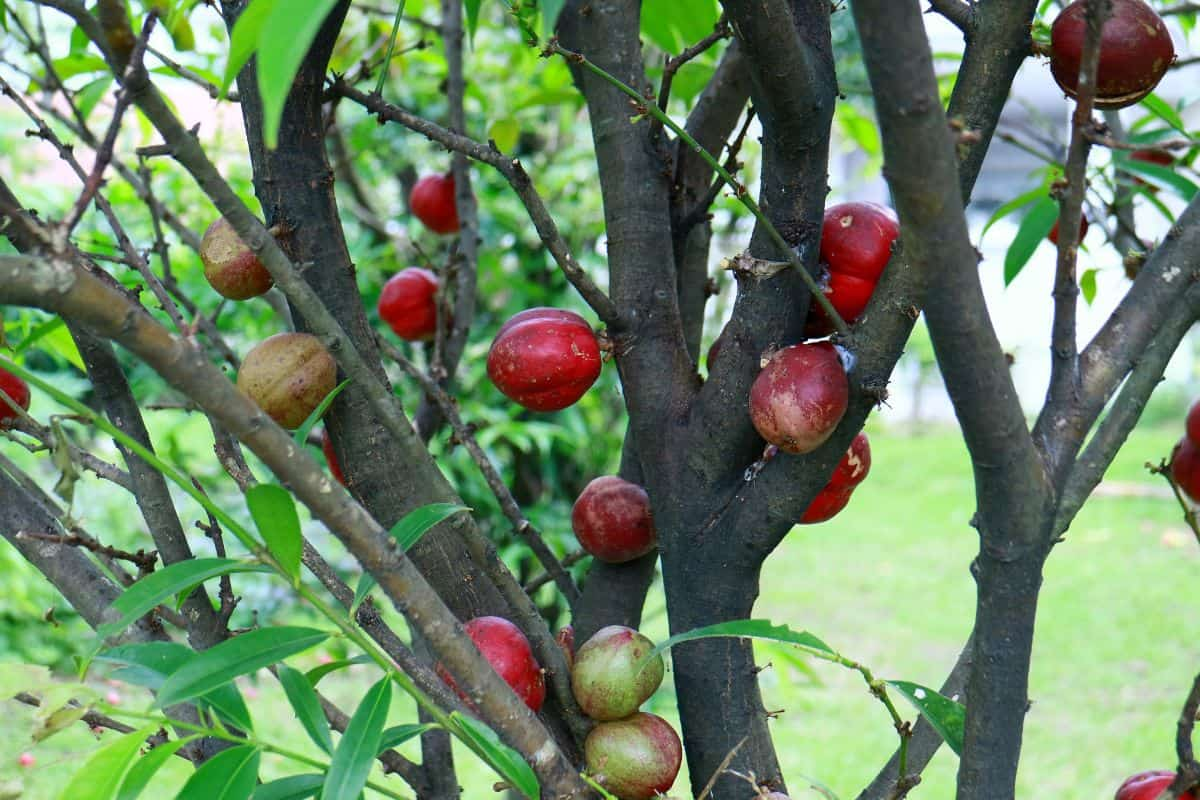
101	777
355	753
229	775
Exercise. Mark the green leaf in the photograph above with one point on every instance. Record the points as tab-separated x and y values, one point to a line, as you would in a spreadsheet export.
229	775
1011	206
1160	175
300	436
472	7
283	43
1032	231
409	530
91	94
505	132
297	787
365	584
161	585
275	516
355	754
674	24
244	39
307	706
487	745
749	629
945	715
235	657
16	678
101	776
398	735
1087	285
143	771
1163	110
315	674
550	11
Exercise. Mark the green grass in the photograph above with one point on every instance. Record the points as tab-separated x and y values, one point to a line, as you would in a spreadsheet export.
887	583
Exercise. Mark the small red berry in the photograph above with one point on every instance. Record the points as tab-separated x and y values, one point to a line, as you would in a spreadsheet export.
544	358
799	397
408	304
26	760
1185	468
612	520
18	392
508	651
432	202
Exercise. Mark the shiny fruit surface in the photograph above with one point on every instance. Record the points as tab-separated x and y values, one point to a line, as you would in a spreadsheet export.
287	376
1148	786
608	679
635	758
612	520
828	503
508	651
544	358
432	202
408	304
856	244
799	397
17	391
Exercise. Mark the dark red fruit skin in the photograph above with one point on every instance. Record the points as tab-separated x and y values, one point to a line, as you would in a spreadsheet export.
408	304
230	267
856	243
1159	157
508	651
828	503
432	202
799	397
855	464
1185	468
331	457
1083	229
1148	786
612	520
18	391
625	771
1193	423
1135	52
544	358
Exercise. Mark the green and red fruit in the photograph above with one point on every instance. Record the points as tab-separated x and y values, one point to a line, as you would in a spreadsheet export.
1135	52
230	266
608	679
508	651
1185	468
408	304
612	520
432	202
544	358
799	397
1149	786
18	392
331	457
635	758
287	376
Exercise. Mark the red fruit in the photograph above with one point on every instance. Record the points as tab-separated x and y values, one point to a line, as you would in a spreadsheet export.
1135	52
432	201
799	397
609	679
544	358
826	505
331	457
635	758
408	304
854	466
508	651
1193	423
230	266
1083	229
856	243
18	392
1185	468
1148	786
288	375
612	520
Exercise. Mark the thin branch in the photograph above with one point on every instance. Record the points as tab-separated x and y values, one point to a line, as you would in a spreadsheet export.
958	12
144	561
720	31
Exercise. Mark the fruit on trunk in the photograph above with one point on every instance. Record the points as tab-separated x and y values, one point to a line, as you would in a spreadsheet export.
849	473
828	503
634	758
408	304
230	266
287	376
1185	468
799	397
544	358
18	392
1193	423
331	457
432	201
1148	786
507	650
1135	52
856	243
612	520
1083	229
608	679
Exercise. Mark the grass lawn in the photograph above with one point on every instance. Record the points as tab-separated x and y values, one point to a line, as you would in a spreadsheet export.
887	583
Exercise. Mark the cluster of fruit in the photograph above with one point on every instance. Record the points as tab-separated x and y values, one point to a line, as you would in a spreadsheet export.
634	754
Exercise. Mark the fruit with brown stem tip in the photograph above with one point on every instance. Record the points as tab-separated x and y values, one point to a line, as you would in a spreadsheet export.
1135	52
408	304
508	651
432	202
287	376
799	397
544	358
18	392
1149	786
856	244
230	266
612	520
1185	468
634	758
609	680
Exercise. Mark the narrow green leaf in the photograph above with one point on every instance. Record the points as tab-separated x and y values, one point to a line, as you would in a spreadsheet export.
229	775
300	436
398	735
1011	206
487	745
283	42
101	775
355	754
235	657
315	674
365	584
244	39
1163	110
274	513
307	706
1160	175
472	7
90	95
409	530
161	585
1087	285
296	787
550	11
945	715
1032	231
144	770
749	629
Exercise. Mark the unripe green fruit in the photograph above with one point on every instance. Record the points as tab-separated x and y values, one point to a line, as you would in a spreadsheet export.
635	758
606	680
287	376
230	266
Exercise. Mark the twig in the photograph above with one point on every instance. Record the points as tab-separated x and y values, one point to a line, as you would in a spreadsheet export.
538	581
1188	776
957	12
144	561
724	765
720	31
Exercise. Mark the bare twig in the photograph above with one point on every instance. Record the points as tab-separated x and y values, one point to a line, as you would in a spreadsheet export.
141	559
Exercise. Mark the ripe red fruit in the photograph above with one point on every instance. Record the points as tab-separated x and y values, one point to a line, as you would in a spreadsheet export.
856	243
634	758
855	464
1083	229
432	201
408	304
1148	786
799	397
612	520
1185	468
288	375
507	650
828	503
331	457
544	358
1135	52
608	679
1193	423
17	391
230	266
